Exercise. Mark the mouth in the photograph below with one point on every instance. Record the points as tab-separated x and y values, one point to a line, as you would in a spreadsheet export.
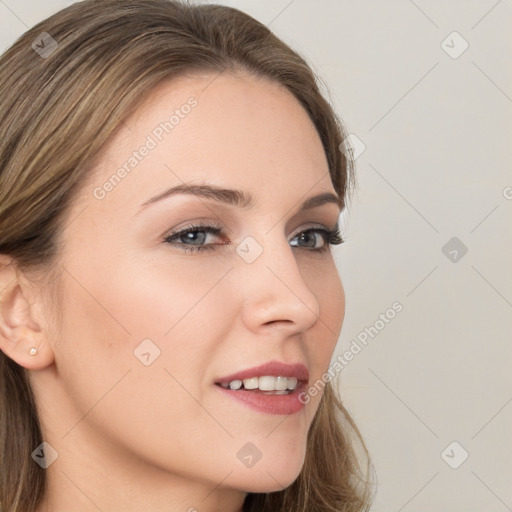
271	388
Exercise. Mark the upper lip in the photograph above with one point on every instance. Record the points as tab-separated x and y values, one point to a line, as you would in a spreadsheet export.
272	368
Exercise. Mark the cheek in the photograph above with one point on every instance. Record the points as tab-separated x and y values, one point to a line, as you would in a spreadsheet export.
139	296
325	284
331	297
117	310
154	393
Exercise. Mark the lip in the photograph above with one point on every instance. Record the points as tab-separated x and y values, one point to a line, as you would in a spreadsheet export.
272	368
261	402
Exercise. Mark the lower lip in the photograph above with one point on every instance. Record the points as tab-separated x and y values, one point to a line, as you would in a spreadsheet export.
269	404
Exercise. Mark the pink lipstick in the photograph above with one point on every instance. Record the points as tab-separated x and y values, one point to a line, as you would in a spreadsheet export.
271	388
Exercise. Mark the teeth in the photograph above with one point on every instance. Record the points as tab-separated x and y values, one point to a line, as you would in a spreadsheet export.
281	383
292	382
251	383
235	384
264	383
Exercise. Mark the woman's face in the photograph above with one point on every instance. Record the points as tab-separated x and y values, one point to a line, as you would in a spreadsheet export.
152	321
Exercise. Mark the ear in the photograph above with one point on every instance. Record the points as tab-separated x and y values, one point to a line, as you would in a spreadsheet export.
20	328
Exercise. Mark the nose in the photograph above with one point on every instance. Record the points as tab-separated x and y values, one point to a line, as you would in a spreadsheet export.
276	295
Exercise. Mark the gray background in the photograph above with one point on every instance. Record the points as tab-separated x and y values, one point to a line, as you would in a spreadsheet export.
435	122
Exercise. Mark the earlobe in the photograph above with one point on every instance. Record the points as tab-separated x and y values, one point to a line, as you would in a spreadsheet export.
27	347
21	337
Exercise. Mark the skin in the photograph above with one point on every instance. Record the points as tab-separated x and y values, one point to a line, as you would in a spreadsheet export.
161	437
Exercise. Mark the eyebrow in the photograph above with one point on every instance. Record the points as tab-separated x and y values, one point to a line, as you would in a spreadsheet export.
237	197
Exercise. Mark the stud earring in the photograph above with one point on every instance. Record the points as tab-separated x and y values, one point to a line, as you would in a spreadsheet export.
33	351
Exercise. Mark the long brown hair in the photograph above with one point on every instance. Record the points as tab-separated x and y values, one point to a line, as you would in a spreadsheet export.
65	86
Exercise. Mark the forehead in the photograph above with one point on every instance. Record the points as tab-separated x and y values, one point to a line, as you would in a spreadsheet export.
236	131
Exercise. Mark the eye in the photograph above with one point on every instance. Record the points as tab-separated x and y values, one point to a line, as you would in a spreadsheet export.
195	238
317	239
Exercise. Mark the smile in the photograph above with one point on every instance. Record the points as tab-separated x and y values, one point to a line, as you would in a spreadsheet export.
271	388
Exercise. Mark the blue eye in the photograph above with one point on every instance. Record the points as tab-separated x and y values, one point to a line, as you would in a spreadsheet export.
193	238
312	236
198	237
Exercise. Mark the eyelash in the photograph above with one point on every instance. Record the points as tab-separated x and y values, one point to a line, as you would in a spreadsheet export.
331	237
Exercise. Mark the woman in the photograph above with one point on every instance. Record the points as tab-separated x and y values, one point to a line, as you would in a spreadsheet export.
170	180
